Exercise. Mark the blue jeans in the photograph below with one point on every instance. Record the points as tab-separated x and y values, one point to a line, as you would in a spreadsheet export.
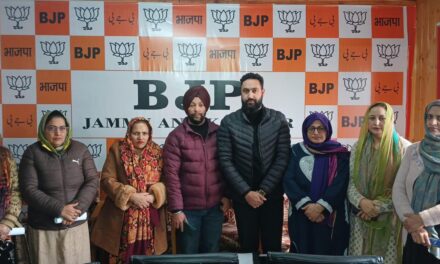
202	232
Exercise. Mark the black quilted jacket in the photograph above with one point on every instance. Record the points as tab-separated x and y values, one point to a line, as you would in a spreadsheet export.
234	145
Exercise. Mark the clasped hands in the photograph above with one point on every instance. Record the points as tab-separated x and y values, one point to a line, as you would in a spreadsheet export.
254	199
413	223
314	212
369	209
70	213
141	200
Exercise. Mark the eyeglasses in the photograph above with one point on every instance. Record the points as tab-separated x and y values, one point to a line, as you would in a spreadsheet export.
319	129
53	129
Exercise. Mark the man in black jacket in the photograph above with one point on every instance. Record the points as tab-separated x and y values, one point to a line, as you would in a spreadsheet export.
253	149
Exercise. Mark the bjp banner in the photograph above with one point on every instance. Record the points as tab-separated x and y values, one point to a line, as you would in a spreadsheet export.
103	63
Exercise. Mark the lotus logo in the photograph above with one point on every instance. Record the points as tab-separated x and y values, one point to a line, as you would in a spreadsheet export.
87	15
323	52
19	84
388	52
256	51
328	114
223	17
95	150
156	16
189	51
53	49
122	50
289	18
64	112
17	14
355	85
355	18
17	150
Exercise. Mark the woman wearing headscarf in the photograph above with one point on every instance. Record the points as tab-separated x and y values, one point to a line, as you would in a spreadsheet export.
416	193
316	183
132	220
374	227
10	200
58	179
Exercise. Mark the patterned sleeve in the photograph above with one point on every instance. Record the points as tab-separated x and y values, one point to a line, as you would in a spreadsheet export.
385	206
13	211
354	196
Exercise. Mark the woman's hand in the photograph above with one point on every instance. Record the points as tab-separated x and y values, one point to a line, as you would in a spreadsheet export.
413	222
70	213
150	198
65	222
313	211
368	207
421	236
141	200
4	231
364	216
179	220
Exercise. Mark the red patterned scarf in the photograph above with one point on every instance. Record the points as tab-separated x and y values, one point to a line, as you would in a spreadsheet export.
143	169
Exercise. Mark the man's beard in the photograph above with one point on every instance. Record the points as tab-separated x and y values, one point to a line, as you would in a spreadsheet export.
196	122
251	108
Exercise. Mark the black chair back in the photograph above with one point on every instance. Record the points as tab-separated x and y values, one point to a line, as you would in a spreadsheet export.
293	258
217	258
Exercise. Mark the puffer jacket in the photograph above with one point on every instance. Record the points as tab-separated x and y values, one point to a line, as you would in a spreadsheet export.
192	174
48	182
235	138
